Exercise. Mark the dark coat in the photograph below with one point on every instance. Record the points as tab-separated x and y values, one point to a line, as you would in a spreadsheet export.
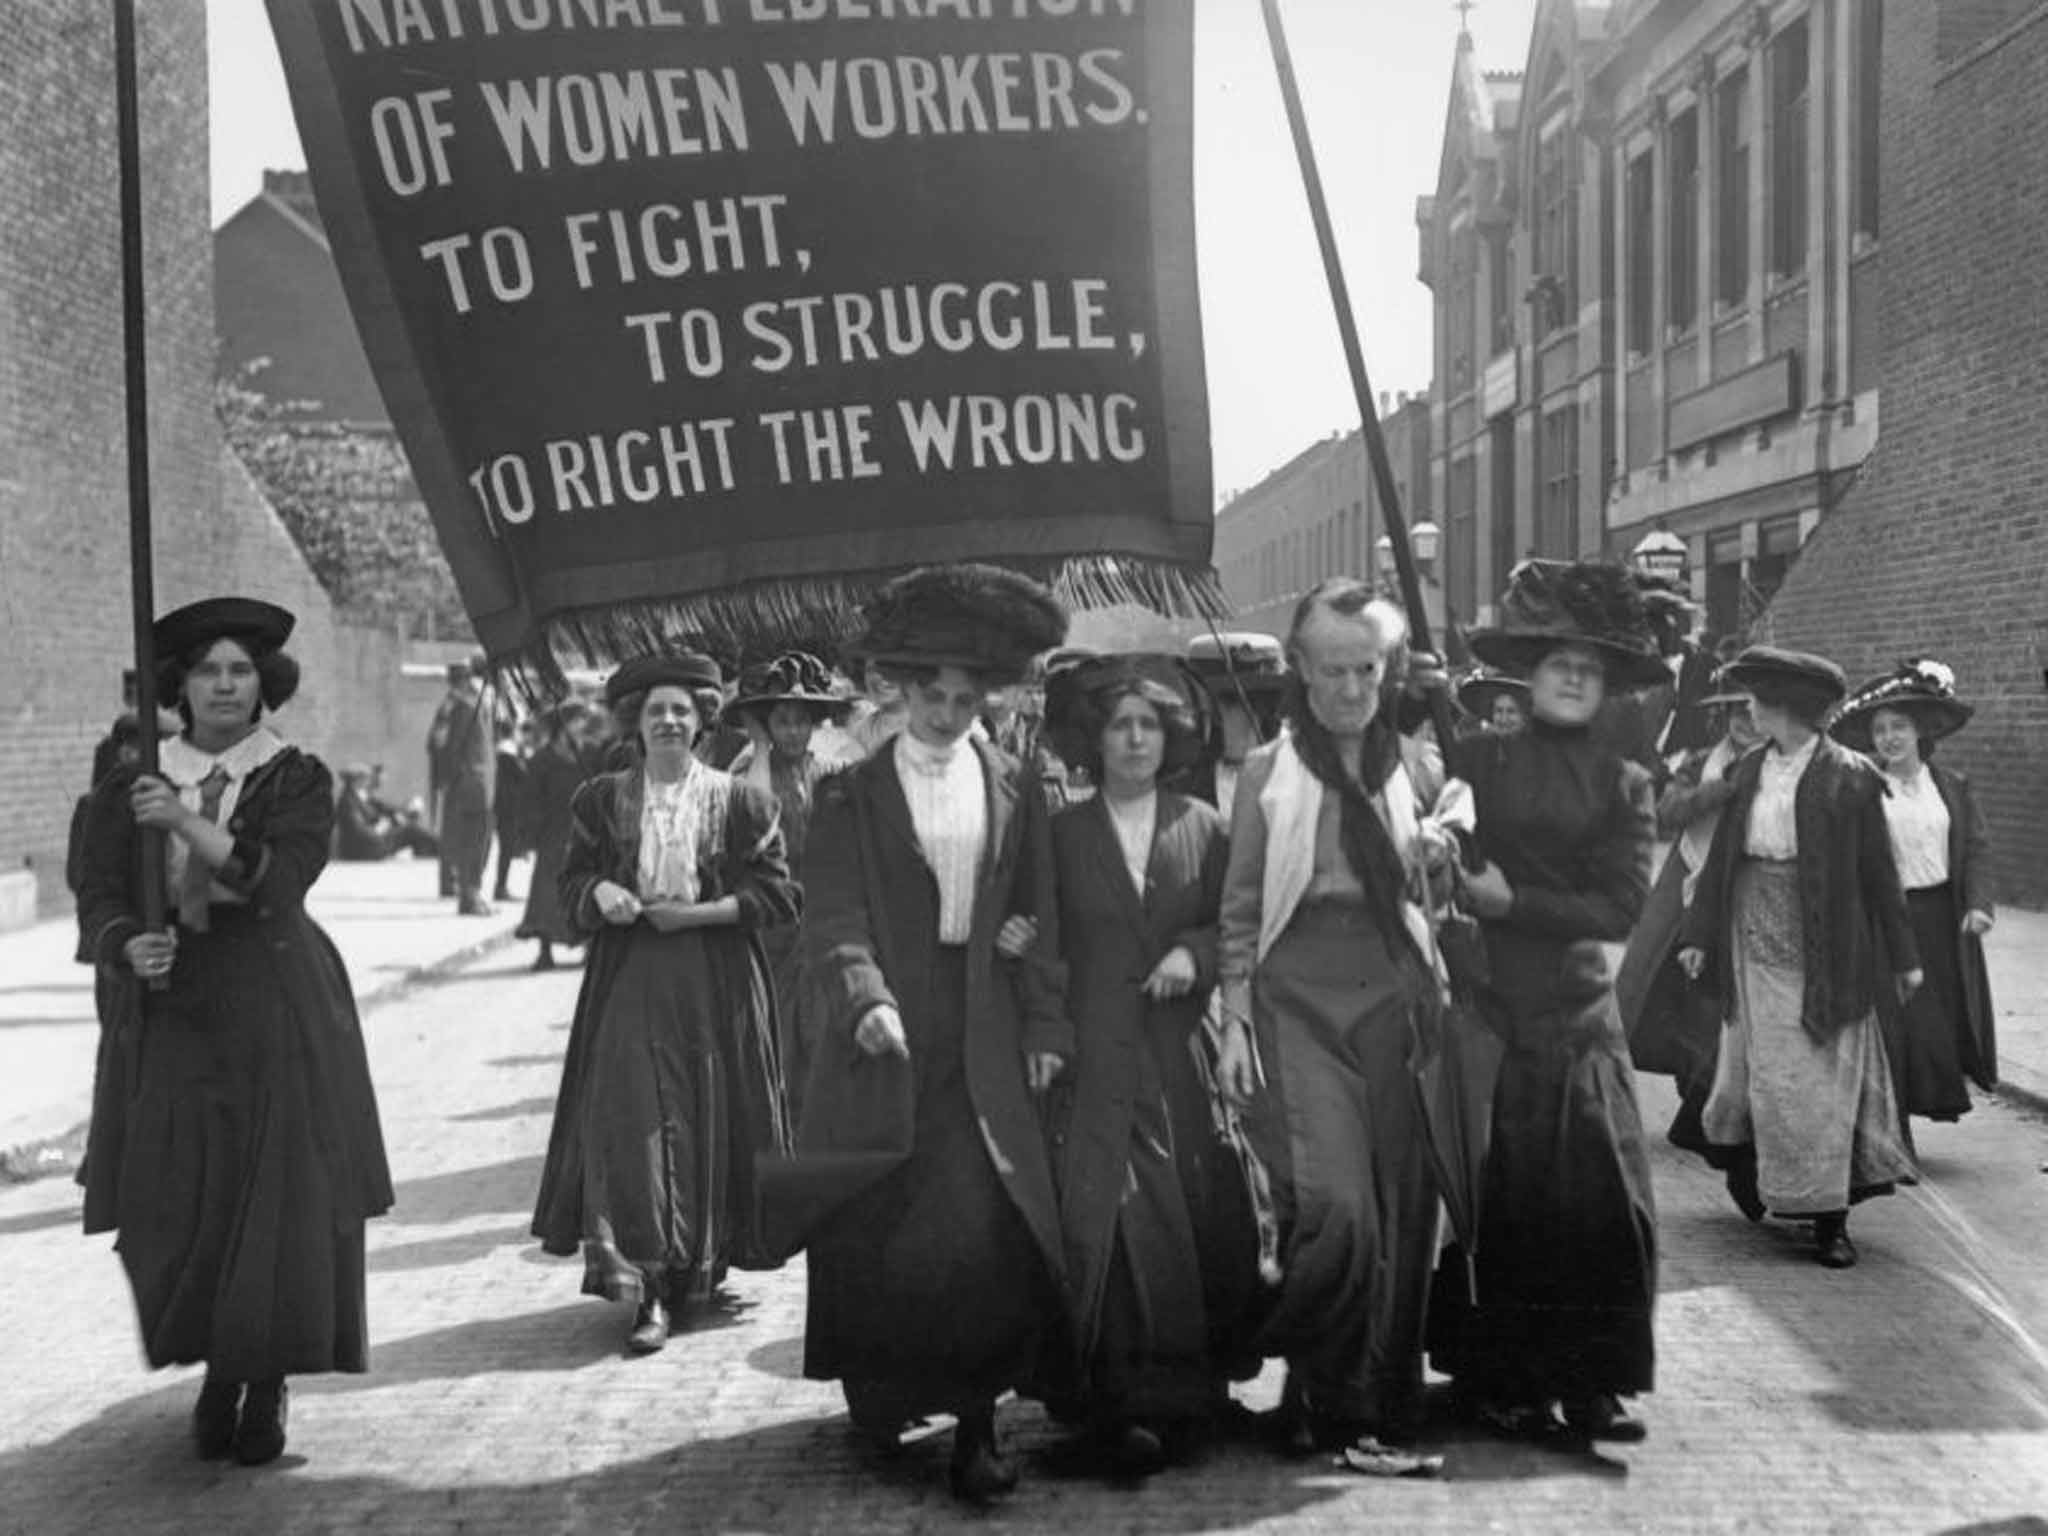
553	775
872	913
1849	890
237	1099
1124	1040
1685	800
748	865
462	754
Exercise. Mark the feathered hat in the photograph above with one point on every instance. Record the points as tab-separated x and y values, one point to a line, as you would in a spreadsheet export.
981	617
1070	691
795	677
1922	688
1592	603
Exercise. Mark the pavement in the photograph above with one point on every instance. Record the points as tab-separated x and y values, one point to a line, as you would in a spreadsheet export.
1908	1395
390	926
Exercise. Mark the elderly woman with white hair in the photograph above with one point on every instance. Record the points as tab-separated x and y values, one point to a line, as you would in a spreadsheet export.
1323	957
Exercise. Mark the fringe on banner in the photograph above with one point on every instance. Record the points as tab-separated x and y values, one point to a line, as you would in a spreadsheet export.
818	613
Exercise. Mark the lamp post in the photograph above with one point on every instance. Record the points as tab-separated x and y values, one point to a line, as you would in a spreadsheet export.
1427	542
1661	557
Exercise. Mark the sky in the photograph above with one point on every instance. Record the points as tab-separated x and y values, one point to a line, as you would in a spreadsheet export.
1375	80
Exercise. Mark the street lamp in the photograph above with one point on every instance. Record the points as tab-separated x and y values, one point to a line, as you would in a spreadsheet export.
1661	557
1383	557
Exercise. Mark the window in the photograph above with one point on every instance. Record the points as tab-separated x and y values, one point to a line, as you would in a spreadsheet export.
1501	514
1642	253
1557	527
1682	237
1557	230
1724	582
1731	190
1461	545
1868	20
1500	292
1777	547
1788	74
1464	301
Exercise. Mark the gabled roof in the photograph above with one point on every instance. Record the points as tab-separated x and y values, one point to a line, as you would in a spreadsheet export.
286	198
1483	108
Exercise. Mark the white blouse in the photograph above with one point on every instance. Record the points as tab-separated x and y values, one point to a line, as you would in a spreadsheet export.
949	810
681	823
1773	831
1918	818
1135	822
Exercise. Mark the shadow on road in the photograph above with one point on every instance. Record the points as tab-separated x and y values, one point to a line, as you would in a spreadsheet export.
440	1252
505	1188
517	1110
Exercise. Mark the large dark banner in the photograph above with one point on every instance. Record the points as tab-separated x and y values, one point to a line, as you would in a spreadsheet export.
709	312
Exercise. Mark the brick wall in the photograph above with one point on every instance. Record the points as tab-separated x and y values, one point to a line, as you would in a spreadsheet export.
1942	546
64	579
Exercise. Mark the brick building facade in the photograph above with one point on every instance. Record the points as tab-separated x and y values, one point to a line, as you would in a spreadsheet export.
64	580
1654	258
1941	548
1319	515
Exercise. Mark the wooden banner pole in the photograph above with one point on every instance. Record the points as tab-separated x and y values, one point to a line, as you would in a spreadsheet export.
1347	328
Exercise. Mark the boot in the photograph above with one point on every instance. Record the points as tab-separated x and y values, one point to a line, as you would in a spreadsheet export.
545	960
1742	1186
214	1416
979	1472
259	1438
650	1327
1831	1242
1602	1417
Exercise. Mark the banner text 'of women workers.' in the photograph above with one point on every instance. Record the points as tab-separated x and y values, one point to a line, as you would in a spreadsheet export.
715	310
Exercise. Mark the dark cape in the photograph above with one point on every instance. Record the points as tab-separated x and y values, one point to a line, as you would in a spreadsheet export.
923	1189
1567	1248
1946	1034
1160	1247
672	1086
553	775
1673	1026
234	1144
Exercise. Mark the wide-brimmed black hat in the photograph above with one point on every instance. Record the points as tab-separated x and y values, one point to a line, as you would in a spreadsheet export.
677	669
1769	664
1478	691
1071	691
262	627
984	618
1550	603
1247	660
1922	688
795	677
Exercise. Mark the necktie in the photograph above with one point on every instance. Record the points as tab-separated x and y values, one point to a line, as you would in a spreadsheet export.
193	895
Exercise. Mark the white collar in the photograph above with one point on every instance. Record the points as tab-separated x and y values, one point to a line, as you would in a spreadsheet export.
185	765
921	756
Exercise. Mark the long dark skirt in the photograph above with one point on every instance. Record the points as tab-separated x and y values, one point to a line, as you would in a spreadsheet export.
1147	1343
1567	1261
545	918
1339	1130
927	1292
1928	1040
239	1182
670	1093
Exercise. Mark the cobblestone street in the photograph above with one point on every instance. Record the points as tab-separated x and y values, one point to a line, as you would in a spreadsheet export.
1907	1395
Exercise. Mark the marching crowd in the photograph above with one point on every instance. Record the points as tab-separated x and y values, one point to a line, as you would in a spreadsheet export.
1097	1027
